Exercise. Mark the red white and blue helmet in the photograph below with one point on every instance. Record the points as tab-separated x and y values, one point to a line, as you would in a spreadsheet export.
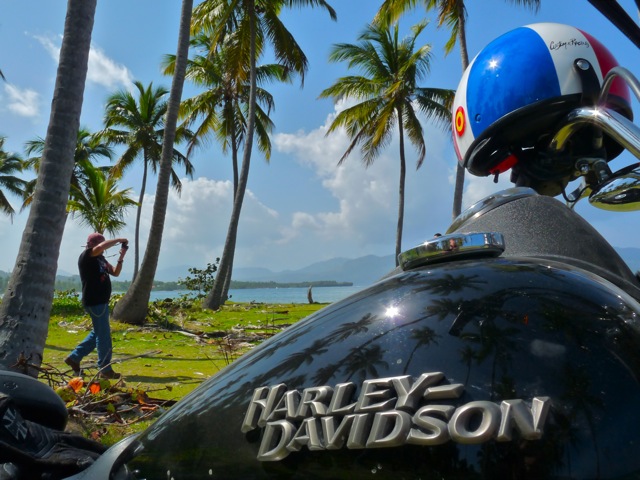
519	86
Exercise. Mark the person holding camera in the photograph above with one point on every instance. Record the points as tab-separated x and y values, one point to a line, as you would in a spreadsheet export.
95	273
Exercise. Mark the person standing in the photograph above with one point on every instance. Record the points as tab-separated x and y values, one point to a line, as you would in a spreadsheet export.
95	273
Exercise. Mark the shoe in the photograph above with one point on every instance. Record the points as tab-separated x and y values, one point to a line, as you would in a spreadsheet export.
110	375
75	366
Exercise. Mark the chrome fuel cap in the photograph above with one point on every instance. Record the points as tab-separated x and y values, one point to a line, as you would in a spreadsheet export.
456	246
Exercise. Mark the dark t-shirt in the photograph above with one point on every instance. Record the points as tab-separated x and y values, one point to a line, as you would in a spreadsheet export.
94	275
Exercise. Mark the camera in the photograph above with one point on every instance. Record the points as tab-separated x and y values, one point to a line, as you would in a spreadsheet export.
125	245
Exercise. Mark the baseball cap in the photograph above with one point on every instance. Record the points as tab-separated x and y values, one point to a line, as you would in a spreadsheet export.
94	239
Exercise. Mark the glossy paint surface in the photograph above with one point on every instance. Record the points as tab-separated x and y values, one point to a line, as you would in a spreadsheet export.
501	329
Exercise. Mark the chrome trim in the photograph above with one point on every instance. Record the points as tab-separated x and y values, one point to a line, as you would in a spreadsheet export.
489	203
456	246
619	128
621	193
628	77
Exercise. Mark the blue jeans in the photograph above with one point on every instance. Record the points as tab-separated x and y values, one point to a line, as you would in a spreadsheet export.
99	337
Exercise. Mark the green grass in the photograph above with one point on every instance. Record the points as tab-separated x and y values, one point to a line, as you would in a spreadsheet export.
179	347
181	343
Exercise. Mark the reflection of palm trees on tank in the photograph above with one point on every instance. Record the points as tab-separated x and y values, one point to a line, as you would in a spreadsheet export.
342	333
506	388
299	358
497	343
484	339
325	374
299	330
468	355
489	340
443	307
479	325
579	395
348	329
363	361
422	337
448	284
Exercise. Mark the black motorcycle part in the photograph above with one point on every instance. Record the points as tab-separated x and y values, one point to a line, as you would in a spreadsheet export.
29	450
36	401
536	226
488	338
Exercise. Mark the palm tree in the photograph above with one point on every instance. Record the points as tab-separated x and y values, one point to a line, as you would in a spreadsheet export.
250	22
97	202
454	14
220	111
133	307
388	95
138	123
88	149
25	307
10	164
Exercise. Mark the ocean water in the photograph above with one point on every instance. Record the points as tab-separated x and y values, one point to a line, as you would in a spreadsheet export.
274	295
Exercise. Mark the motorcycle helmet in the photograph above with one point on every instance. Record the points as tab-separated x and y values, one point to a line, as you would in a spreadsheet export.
517	89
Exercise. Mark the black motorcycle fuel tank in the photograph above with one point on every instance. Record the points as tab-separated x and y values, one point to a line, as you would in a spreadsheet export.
494	368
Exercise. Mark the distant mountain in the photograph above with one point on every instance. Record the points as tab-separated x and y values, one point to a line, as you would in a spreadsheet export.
252	274
363	270
173	274
360	271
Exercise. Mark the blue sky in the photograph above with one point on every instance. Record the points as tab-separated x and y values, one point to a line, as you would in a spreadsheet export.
300	208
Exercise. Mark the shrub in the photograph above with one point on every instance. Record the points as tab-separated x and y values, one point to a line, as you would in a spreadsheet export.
67	302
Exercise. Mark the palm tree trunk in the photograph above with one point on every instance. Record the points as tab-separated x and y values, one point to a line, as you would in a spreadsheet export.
464	56
227	280
234	159
133	307
462	40
458	191
403	173
218	295
234	156
136	263
26	305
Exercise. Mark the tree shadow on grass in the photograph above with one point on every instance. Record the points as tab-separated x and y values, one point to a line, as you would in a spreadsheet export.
183	379
171	358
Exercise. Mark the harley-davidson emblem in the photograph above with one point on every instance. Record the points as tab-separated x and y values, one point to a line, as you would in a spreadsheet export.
388	412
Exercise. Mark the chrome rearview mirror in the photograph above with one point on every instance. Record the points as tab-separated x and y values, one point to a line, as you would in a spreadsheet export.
620	193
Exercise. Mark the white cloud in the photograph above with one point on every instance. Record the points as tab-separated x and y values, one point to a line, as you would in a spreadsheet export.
107	72
362	222
51	46
195	230
477	188
22	102
368	197
102	70
197	221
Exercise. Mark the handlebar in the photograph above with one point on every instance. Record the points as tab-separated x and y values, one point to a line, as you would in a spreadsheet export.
619	128
611	191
